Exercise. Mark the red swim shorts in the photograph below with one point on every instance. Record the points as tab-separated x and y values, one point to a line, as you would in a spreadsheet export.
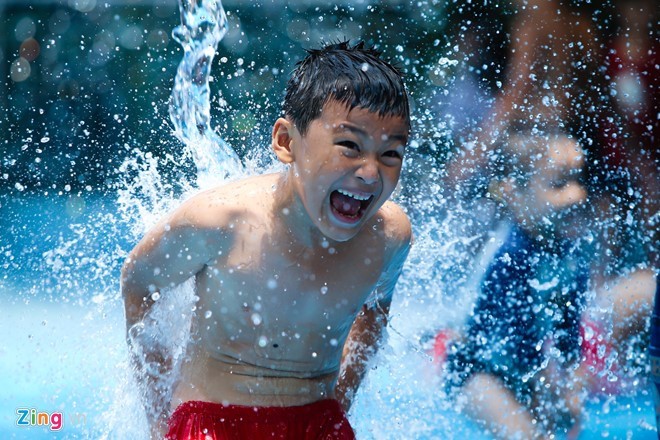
322	420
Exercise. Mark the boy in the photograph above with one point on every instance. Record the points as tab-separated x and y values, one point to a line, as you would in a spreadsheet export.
294	271
523	335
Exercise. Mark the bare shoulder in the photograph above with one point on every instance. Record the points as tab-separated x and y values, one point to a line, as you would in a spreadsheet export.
223	205
393	231
395	226
395	221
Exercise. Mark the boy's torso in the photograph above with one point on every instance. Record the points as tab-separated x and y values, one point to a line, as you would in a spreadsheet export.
272	314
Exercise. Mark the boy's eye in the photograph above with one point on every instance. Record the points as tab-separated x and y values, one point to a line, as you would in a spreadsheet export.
349	144
392	153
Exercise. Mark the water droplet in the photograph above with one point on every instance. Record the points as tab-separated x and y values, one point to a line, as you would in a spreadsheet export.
208	314
324	290
256	319
263	341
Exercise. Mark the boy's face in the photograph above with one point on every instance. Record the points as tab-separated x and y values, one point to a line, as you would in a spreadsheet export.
550	199
346	166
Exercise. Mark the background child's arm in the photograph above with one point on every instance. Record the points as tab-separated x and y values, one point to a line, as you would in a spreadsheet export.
169	254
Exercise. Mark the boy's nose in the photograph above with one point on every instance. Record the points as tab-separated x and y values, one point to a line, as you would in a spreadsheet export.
368	171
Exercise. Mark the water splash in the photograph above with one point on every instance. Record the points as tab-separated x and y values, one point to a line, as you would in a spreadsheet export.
203	25
145	196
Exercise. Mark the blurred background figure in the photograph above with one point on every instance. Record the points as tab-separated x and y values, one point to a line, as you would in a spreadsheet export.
552	75
561	71
513	369
631	136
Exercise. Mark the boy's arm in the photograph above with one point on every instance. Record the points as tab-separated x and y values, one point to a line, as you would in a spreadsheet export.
366	334
169	254
362	344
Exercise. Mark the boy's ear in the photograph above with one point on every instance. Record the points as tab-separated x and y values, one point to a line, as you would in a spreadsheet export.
281	140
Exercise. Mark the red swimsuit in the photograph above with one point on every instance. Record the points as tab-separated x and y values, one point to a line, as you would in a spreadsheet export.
322	420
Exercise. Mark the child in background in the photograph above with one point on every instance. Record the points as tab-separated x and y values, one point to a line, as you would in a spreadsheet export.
294	271
521	343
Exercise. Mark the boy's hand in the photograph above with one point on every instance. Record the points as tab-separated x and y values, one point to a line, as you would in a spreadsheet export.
158	430
152	361
345	398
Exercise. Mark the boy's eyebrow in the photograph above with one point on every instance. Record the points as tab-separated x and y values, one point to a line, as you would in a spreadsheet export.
403	139
347	126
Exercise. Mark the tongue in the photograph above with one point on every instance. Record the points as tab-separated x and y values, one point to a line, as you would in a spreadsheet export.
344	204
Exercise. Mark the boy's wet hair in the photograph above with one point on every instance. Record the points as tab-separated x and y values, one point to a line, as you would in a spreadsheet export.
352	75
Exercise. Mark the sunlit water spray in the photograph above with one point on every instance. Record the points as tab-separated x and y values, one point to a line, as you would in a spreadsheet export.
203	24
402	396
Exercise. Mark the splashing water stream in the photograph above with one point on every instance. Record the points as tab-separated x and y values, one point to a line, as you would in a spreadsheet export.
203	24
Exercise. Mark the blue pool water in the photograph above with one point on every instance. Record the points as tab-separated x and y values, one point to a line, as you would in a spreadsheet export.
63	347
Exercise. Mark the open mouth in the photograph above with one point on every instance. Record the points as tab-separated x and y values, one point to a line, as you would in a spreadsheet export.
349	207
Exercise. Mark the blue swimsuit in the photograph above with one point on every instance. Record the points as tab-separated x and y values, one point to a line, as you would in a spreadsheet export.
528	297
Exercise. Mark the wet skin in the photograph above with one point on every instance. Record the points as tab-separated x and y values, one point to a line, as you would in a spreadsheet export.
281	271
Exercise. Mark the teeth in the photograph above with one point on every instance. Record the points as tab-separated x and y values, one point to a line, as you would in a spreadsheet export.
355	196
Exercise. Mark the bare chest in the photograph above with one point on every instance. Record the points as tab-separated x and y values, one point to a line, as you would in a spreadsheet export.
263	303
302	285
